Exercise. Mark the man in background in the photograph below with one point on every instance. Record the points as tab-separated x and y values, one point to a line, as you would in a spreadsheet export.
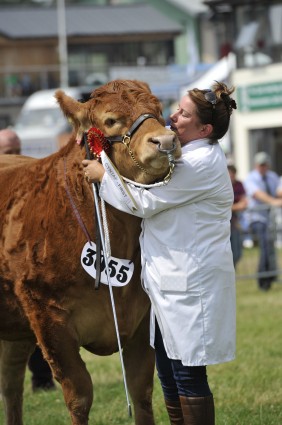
261	187
41	373
9	142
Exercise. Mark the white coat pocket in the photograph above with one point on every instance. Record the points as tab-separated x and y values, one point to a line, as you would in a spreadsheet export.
178	270
174	282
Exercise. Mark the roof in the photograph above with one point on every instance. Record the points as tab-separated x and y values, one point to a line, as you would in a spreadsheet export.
220	71
191	7
82	20
229	5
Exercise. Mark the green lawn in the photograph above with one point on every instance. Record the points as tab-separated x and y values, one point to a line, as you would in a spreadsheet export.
247	391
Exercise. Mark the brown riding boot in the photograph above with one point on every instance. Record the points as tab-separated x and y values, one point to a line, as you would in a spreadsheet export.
198	410
174	411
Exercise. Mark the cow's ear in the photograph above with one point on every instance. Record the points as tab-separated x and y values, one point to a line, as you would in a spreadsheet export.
75	111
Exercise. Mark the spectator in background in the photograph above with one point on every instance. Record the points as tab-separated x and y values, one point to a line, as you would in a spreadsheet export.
279	188
239	205
279	216
26	85
41	373
261	187
9	142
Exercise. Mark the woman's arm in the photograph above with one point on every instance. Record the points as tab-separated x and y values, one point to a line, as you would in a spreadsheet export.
192	181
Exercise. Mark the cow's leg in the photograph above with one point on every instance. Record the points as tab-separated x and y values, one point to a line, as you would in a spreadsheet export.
13	359
58	342
62	352
139	363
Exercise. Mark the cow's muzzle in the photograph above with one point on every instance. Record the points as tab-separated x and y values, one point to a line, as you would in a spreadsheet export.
168	152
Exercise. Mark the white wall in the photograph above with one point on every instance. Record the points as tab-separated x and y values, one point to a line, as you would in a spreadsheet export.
243	121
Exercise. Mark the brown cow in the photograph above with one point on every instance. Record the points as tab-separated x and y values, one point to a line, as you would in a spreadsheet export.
45	293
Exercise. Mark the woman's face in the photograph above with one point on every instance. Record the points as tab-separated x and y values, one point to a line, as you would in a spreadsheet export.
185	122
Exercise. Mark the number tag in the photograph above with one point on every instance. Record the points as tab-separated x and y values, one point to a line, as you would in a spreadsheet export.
120	270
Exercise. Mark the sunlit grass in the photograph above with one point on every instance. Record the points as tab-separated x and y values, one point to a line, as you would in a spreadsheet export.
247	391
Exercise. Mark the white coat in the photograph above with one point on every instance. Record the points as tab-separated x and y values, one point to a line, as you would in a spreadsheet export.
187	266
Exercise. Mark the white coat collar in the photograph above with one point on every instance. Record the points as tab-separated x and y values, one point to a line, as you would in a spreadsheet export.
194	144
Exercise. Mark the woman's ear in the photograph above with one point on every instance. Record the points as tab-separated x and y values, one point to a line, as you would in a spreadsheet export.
206	130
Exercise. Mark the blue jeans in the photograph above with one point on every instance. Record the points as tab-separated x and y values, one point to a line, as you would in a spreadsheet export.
176	379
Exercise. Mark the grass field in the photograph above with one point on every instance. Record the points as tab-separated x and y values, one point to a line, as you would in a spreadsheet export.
247	391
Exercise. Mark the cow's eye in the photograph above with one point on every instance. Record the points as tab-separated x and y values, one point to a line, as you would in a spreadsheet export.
110	122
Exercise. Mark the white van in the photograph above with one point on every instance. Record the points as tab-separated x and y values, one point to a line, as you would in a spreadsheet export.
41	125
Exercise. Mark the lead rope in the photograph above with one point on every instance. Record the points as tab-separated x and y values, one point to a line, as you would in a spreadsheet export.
94	187
106	249
74	207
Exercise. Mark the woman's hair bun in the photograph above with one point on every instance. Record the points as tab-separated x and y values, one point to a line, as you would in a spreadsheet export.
229	102
223	92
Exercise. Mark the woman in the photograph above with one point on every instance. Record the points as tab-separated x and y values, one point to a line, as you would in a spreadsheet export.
187	265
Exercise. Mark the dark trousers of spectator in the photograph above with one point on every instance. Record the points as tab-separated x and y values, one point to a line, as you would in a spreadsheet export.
267	260
41	373
236	243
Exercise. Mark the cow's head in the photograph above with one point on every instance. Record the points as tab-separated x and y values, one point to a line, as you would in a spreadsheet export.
113	108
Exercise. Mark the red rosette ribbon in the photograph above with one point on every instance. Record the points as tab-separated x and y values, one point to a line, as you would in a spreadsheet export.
97	142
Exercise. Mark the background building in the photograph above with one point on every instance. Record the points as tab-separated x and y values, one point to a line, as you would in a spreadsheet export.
147	40
252	30
172	44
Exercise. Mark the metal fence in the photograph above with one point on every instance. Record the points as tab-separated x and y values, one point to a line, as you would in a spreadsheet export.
247	267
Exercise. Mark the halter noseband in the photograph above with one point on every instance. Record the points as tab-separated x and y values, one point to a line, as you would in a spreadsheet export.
126	138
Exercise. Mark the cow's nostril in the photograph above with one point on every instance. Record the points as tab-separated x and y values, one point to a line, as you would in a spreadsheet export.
165	142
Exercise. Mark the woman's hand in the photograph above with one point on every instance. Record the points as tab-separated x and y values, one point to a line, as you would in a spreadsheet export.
93	170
